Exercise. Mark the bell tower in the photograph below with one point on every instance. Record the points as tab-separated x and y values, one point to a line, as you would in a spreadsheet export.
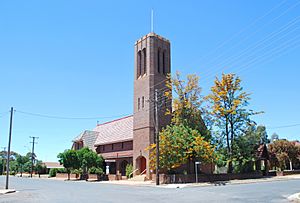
152	64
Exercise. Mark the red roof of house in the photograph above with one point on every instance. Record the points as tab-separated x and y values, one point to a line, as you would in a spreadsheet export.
53	165
115	131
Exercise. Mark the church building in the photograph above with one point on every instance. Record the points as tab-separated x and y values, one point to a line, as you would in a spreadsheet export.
124	140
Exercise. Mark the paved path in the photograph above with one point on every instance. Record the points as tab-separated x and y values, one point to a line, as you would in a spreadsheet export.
45	190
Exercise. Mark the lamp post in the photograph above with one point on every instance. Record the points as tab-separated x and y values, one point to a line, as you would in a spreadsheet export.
196	171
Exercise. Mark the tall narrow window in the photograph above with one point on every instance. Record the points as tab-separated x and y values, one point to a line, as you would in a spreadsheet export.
143	102
164	62
122	145
158	60
145	62
139	104
139	64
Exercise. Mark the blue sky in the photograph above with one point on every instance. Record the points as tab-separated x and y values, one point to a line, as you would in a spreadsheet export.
75	59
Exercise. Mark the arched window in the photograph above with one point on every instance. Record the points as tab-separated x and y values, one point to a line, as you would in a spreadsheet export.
145	62
139	64
158	60
164	62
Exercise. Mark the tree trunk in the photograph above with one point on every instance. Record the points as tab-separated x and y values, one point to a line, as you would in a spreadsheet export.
229	170
69	175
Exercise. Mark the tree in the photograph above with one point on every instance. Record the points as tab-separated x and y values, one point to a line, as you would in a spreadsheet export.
187	102
283	152
228	109
274	137
39	167
179	144
246	148
88	159
262	134
69	159
22	160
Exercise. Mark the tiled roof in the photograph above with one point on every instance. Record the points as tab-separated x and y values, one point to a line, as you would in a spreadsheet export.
53	165
115	131
88	137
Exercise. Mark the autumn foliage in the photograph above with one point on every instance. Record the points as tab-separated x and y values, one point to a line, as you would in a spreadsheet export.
178	145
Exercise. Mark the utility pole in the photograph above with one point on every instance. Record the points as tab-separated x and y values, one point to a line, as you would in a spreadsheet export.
156	135
8	149
32	154
3	162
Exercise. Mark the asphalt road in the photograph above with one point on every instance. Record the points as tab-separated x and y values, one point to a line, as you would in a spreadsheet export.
45	190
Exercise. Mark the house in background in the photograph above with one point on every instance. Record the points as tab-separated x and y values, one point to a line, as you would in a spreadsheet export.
51	165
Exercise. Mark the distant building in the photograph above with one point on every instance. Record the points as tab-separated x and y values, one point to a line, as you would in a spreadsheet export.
50	165
124	140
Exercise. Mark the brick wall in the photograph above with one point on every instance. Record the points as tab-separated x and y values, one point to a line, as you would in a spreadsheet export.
115	147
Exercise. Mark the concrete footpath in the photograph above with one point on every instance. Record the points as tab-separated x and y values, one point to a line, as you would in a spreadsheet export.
294	198
206	184
4	191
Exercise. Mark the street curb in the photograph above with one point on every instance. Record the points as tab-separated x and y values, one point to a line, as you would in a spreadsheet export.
294	198
3	192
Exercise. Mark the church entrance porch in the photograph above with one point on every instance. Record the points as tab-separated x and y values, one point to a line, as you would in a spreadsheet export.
117	168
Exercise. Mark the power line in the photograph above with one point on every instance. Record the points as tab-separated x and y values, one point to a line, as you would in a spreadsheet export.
240	41
68	118
251	49
285	126
245	28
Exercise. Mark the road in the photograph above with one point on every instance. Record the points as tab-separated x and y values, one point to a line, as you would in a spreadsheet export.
46	190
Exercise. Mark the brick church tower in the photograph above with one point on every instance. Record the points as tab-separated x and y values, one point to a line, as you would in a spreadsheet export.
152	64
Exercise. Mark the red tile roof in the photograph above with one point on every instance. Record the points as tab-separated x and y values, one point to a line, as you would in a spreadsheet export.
53	165
115	131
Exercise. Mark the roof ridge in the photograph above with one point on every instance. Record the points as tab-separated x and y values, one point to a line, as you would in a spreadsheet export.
113	120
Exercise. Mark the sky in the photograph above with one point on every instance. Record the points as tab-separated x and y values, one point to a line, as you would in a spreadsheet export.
75	59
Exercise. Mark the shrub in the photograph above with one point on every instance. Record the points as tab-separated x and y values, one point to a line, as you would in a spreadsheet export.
77	171
95	170
61	170
52	172
129	170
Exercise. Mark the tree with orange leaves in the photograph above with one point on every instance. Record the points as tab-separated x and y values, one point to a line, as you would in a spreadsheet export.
229	111
179	144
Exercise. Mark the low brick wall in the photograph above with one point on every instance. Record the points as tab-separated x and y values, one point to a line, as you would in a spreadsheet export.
65	175
191	178
114	177
286	173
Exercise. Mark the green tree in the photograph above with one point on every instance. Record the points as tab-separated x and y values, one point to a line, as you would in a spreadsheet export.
39	167
228	110
70	160
274	137
246	147
88	159
22	160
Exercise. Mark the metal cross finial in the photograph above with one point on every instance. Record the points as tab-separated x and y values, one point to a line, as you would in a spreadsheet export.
152	26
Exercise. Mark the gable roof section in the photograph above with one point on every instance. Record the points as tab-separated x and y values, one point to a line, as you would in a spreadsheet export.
88	137
115	131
